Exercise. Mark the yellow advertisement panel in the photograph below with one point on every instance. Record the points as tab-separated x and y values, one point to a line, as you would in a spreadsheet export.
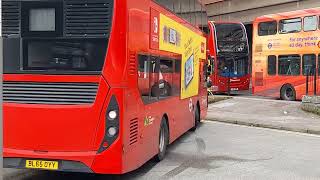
176	38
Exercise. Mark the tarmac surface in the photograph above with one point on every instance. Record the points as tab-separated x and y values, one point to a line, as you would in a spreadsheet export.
220	151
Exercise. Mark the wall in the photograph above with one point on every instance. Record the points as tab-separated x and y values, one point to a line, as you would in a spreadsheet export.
191	10
247	10
234	10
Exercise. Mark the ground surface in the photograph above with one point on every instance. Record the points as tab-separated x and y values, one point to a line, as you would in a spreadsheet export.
265	113
222	151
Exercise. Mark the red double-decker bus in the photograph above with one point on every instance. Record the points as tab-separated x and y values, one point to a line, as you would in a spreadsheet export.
98	86
229	55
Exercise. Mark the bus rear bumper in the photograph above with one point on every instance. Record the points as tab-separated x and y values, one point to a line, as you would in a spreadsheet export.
68	161
84	162
65	166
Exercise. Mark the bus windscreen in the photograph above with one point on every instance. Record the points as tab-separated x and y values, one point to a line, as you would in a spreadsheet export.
231	38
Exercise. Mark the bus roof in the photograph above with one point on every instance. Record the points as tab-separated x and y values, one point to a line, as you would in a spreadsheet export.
290	14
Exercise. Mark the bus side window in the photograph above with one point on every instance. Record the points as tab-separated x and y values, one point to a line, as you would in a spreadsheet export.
267	28
319	64
310	23
165	78
177	78
289	65
272	65
290	25
211	66
309	64
147	77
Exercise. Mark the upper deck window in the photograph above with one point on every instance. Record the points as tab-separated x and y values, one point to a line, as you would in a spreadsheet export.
230	32
231	37
267	28
290	25
310	23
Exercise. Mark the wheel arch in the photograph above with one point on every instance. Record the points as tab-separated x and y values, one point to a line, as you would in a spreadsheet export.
198	106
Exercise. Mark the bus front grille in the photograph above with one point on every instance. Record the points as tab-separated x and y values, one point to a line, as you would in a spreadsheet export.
49	93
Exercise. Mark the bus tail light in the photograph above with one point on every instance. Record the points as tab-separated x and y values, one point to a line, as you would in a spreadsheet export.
111	124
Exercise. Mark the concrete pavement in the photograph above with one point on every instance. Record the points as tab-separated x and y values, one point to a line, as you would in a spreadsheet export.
311	104
266	113
227	152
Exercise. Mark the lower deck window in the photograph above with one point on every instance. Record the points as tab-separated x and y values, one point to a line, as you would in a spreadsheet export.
309	64
158	78
272	65
289	65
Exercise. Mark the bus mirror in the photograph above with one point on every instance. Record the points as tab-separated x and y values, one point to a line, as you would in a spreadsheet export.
209	83
209	70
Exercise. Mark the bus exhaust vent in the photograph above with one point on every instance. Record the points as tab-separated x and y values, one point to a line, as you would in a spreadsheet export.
10	18
133	131
49	93
132	63
88	18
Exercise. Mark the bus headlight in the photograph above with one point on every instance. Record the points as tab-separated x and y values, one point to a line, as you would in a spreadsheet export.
112	115
112	131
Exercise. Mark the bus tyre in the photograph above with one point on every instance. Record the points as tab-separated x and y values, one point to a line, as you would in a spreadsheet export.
163	140
196	119
288	93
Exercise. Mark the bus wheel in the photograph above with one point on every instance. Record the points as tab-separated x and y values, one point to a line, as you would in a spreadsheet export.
163	140
196	119
288	93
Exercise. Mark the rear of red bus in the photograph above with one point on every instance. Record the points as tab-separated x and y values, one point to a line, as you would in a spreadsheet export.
229	55
63	100
74	83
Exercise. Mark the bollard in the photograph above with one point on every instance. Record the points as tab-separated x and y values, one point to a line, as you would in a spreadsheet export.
315	82
307	84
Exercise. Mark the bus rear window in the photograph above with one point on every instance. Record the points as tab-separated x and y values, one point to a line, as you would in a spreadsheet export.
289	65
290	25
267	28
64	55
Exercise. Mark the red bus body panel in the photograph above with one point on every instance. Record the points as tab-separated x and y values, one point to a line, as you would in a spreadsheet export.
75	132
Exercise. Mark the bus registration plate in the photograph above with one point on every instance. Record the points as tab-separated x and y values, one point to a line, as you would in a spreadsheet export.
39	164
